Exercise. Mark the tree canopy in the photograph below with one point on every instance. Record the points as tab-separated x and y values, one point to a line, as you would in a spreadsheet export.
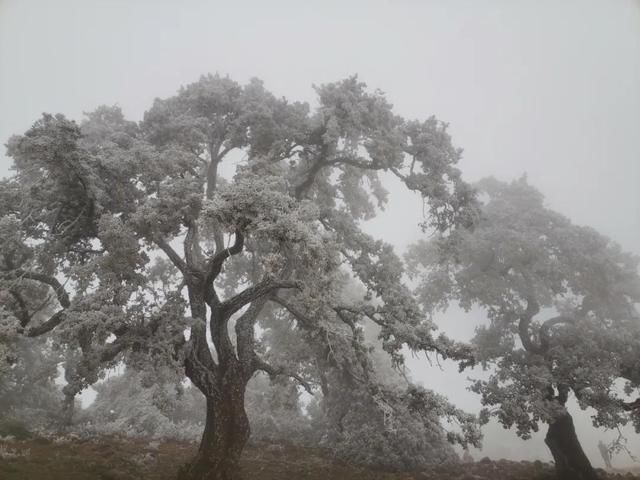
130	235
560	300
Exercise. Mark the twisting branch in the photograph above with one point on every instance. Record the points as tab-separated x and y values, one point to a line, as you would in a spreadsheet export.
23	314
545	337
273	371
311	173
525	322
192	250
245	334
298	314
24	317
214	266
110	351
343	314
172	254
53	282
55	320
630	406
254	292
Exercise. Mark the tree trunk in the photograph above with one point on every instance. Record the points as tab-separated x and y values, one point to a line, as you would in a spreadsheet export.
226	428
225	435
571	461
223	381
68	407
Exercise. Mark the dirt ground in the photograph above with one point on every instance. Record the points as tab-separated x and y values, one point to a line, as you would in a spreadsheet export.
110	458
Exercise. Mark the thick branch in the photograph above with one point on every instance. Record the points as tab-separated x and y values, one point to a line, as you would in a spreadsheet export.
55	320
200	366
245	334
248	295
631	406
53	282
272	371
356	162
525	322
172	254
309	322
23	313
546	327
298	314
214	266
112	350
321	162
192	250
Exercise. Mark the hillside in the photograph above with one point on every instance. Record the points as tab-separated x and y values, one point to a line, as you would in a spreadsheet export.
110	458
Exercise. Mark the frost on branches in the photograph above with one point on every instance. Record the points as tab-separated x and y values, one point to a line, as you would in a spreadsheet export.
130	235
562	318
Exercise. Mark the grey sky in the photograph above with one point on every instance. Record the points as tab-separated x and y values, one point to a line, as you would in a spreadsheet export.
550	88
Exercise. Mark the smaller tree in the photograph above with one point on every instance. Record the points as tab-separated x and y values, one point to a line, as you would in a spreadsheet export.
28	393
275	410
137	403
560	305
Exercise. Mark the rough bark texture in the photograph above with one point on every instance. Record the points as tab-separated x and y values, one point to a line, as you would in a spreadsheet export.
223	383
571	461
225	435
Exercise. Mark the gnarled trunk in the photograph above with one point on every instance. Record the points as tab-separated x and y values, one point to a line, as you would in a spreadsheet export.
571	461
226	428
225	435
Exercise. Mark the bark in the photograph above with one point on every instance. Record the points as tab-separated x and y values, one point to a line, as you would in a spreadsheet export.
70	391
227	427
570	460
212	175
68	408
225	435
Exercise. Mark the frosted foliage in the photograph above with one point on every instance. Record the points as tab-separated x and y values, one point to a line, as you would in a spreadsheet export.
120	237
561	305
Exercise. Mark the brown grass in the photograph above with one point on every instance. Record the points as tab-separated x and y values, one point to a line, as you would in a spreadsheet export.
109	458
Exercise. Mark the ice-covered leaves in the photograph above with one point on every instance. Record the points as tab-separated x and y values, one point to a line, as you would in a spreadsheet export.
560	300
262	206
278	242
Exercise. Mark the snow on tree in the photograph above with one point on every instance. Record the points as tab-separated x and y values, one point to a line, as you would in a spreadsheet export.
135	237
562	318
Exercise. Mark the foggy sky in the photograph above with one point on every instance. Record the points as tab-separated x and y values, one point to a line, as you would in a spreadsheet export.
547	88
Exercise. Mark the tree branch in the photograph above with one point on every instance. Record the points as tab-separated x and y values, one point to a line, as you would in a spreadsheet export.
172	254
112	350
23	314
214	266
272	371
191	244
525	322
254	292
546	327
55	320
53	282
631	406
299	315
245	333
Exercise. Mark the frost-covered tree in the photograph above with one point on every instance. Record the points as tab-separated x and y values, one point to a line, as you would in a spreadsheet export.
135	235
562	320
28	393
387	423
135	403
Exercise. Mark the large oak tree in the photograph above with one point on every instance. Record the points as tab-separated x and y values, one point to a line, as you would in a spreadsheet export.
131	235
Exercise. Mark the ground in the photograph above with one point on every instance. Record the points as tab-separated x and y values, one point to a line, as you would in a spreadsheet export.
110	458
